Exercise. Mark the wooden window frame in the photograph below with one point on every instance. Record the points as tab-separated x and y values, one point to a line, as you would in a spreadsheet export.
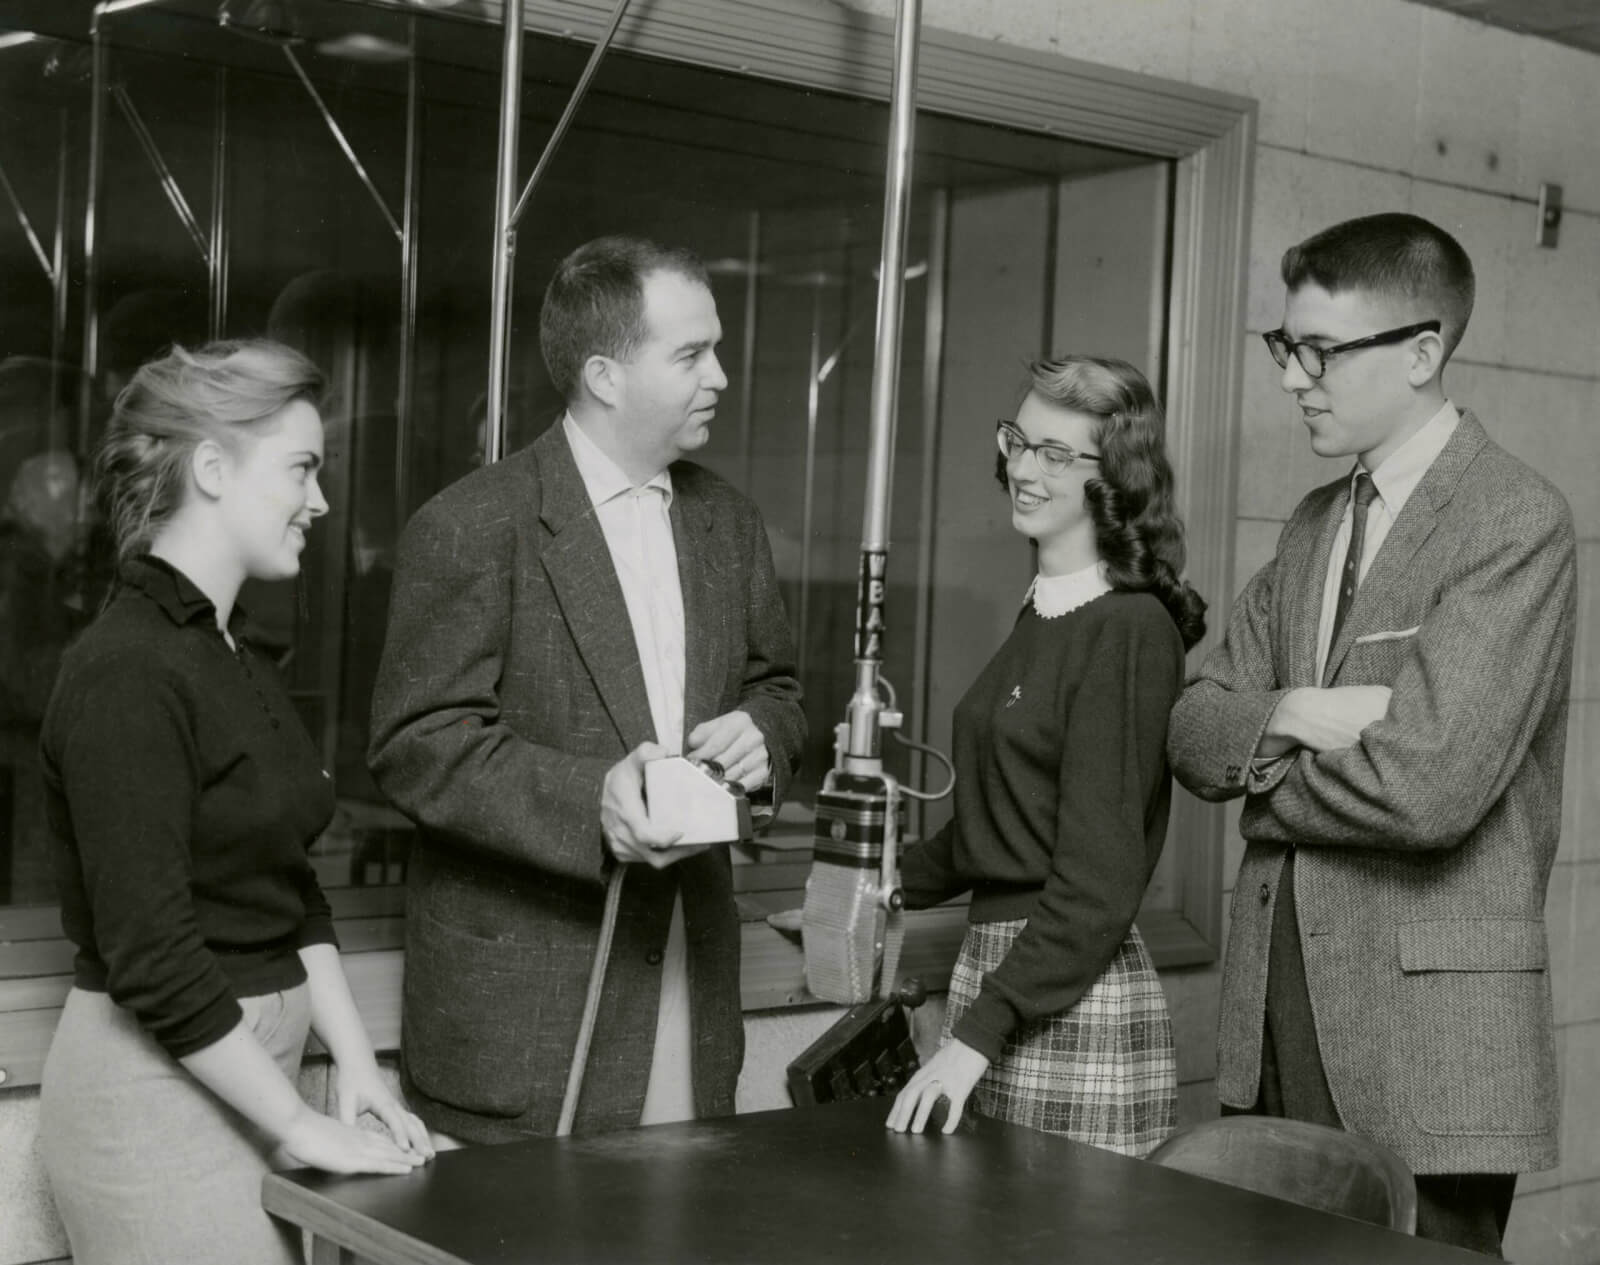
1209	136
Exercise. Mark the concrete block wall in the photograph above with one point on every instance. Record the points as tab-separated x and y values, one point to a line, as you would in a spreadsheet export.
1371	105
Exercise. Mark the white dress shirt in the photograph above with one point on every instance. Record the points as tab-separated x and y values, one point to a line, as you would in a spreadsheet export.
637	527
1395	479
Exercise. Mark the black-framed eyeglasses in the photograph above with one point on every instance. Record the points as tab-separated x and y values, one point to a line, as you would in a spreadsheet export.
1314	359
1053	458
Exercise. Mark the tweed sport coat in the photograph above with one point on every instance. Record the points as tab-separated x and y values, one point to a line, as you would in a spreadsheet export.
510	682
1424	851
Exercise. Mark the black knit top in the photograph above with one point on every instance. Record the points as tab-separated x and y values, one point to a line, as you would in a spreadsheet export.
1062	794
182	793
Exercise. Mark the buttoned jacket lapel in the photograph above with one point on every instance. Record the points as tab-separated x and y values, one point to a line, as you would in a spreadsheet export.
584	579
1388	591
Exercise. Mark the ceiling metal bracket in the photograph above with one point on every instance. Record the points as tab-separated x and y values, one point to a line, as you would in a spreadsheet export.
344	144
169	182
27	226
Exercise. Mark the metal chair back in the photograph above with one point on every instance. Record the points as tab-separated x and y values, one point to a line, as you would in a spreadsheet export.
1307	1164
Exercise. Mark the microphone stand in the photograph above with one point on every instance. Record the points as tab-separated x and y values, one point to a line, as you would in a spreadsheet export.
852	921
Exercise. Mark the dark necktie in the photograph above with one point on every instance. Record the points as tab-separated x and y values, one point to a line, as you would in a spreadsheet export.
1351	576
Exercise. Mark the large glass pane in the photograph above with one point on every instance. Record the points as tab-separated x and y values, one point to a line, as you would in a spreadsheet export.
254	181
52	568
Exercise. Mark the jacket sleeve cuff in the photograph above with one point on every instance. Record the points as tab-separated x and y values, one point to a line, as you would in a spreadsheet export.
1215	737
1266	772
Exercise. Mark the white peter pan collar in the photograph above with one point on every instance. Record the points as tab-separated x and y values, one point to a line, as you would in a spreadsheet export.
1054	595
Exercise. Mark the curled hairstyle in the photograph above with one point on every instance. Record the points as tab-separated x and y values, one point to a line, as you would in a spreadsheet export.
171	405
1395	256
594	305
1136	527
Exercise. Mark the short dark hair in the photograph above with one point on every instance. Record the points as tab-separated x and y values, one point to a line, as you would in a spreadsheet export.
594	305
1397	256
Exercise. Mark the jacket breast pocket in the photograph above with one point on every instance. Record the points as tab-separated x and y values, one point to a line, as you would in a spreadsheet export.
1477	1029
471	1015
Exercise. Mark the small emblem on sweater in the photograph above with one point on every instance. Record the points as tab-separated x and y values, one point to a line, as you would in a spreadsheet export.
1014	696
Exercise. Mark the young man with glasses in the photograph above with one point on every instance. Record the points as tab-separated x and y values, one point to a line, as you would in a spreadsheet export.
1390	698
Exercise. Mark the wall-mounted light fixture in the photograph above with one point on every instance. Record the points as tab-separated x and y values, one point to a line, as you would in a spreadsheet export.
270	20
460	8
360	46
1549	231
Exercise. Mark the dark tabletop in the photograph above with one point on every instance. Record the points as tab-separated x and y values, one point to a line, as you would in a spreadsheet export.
819	1184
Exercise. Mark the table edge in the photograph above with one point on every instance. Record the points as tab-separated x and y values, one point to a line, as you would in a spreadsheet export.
328	1219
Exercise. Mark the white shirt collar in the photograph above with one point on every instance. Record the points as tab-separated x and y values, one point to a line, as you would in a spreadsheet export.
1054	595
603	479
1397	477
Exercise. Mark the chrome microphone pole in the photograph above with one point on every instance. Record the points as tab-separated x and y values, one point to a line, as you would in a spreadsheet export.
866	707
852	924
505	241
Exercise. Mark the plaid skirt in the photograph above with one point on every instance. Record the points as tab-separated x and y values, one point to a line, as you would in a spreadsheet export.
1102	1072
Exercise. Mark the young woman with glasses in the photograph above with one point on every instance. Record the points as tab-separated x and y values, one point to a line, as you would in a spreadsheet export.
1056	1018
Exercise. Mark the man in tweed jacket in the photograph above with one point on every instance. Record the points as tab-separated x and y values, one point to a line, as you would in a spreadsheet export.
1387	969
558	618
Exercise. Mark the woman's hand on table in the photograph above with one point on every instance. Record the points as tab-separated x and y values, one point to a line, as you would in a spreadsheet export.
951	1074
318	1141
362	1088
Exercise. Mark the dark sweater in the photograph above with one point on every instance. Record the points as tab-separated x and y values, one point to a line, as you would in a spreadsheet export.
1061	801
182	793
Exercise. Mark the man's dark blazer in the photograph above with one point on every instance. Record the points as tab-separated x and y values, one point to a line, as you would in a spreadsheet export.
1424	850
510	683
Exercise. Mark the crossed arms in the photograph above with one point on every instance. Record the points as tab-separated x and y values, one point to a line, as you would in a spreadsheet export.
1414	762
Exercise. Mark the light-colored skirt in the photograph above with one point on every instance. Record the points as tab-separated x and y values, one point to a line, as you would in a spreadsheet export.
148	1166
1102	1072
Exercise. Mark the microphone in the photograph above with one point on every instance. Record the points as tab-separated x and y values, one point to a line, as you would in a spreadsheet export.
852	919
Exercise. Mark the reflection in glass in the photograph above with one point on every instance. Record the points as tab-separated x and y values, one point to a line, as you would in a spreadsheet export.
340	197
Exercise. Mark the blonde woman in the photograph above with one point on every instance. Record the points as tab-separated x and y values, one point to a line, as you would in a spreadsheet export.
183	793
